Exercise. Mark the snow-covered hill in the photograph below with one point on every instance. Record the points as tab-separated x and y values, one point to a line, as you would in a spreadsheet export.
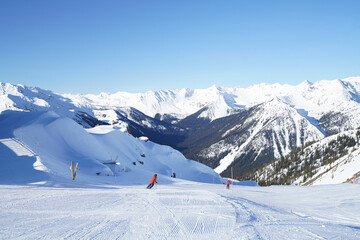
39	146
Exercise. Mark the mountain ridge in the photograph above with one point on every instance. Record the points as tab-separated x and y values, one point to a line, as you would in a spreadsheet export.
212	125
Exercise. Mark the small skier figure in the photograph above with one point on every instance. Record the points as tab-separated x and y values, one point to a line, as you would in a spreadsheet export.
228	184
152	181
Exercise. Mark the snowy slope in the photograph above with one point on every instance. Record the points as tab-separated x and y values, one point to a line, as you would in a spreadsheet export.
332	160
53	142
180	211
342	170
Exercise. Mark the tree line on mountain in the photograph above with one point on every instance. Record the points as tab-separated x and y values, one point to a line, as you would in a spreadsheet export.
301	164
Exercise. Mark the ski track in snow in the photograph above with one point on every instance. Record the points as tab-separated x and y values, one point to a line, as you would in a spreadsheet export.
266	222
17	146
166	212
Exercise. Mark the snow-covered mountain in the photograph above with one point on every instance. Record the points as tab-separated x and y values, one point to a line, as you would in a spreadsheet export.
33	99
334	159
315	99
252	137
179	103
222	127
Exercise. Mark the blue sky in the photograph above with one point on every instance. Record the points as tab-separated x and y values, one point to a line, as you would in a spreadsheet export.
87	46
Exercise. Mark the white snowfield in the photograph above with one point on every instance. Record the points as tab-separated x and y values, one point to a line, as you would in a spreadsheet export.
183	210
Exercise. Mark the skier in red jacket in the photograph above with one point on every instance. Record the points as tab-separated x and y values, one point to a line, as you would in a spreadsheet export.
228	184
152	181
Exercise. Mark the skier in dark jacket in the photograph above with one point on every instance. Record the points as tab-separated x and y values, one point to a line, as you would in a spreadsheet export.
152	181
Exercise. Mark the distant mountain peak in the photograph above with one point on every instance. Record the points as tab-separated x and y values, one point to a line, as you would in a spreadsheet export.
215	87
306	83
